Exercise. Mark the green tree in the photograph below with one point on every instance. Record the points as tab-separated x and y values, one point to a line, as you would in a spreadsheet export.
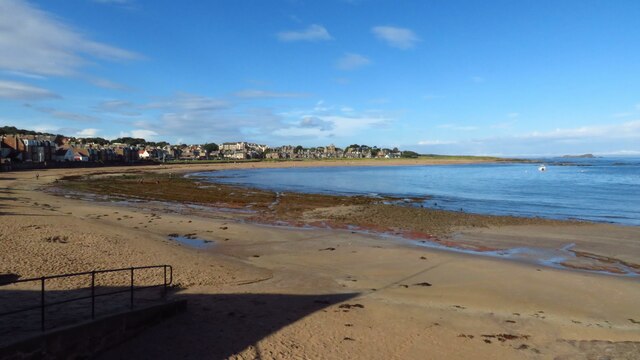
409	154
211	147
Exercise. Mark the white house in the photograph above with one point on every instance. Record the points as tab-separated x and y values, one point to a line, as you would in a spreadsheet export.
63	154
144	154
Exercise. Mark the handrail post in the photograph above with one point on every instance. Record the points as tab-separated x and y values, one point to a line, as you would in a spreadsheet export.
131	288
164	292
93	295
42	303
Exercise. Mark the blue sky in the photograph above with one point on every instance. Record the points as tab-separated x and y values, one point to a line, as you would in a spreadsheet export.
451	77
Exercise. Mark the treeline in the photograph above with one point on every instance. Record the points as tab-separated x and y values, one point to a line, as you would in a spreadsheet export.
10	130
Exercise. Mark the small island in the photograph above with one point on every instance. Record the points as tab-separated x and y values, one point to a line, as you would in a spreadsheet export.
583	156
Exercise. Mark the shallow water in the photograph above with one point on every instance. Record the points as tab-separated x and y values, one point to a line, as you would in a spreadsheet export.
192	242
554	258
601	189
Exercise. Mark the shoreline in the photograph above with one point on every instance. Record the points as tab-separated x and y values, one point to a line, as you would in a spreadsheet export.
361	214
557	258
234	287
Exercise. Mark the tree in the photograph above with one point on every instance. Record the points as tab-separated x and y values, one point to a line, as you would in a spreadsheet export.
298	149
10	130
130	141
158	144
211	147
409	154
95	140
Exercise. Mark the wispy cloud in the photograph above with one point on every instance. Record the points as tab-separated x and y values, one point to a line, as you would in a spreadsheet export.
87	132
119	107
324	121
34	42
188	102
20	91
64	115
629	129
435	142
622	114
352	61
312	33
401	38
199	118
477	79
316	122
458	127
139	133
107	84
504	124
263	94
621	138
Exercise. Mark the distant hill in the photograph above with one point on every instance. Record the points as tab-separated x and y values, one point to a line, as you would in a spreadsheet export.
584	156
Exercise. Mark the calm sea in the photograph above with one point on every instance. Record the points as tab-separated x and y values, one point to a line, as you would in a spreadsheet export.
600	189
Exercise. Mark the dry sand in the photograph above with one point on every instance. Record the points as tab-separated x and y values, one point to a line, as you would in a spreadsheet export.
274	292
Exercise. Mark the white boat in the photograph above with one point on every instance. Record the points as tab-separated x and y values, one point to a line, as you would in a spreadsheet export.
542	168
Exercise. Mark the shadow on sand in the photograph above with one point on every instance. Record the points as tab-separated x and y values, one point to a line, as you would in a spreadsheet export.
215	326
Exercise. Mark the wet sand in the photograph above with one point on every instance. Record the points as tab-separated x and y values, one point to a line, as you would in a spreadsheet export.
288	292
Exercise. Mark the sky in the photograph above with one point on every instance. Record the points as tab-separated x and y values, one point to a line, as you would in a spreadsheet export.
494	77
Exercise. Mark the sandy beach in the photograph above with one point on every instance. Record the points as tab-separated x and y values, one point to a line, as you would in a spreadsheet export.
289	292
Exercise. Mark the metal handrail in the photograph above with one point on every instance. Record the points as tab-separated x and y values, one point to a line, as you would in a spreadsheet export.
43	304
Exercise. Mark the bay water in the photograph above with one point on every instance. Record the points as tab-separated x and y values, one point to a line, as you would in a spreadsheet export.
591	189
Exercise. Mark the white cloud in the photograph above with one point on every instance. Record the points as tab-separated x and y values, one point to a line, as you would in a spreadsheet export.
142	133
621	138
352	61
34	42
513	115
139	133
20	91
316	122
397	37
197	118
477	79
312	33
324	122
87	132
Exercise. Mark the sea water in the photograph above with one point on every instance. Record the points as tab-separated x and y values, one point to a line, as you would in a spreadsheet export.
598	189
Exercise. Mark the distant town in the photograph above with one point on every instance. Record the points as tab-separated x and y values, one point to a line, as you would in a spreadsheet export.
18	146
